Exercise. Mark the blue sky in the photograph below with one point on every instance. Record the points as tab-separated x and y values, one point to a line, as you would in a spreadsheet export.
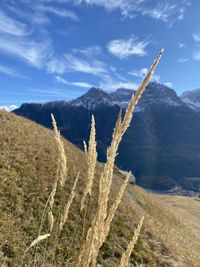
57	49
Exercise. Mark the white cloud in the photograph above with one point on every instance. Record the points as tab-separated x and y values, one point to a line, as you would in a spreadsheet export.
11	26
123	48
32	52
142	73
183	60
70	62
196	55
196	37
88	51
93	66
79	84
11	72
181	45
168	12
113	83
165	12
168	84
8	108
59	12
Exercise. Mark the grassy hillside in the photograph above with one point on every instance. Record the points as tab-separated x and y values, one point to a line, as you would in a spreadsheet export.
28	164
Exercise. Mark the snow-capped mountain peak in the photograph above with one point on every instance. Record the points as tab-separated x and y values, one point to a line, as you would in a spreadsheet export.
93	99
192	99
122	96
155	94
159	94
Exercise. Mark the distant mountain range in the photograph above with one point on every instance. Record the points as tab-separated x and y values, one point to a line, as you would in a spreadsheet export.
162	145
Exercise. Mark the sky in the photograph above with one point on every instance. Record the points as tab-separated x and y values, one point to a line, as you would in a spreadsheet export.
58	49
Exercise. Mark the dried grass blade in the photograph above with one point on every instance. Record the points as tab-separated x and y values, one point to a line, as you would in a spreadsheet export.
63	161
126	255
68	205
91	162
37	240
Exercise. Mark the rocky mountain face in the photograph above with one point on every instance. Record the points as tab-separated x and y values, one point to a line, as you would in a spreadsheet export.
161	146
192	99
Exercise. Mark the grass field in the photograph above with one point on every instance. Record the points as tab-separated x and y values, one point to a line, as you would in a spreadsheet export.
28	162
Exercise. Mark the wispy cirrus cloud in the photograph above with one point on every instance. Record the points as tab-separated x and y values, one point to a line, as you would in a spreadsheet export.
11	26
142	73
32	52
113	84
196	37
93	66
89	51
65	13
11	72
79	84
70	62
167	11
123	48
181	45
196	55
183	60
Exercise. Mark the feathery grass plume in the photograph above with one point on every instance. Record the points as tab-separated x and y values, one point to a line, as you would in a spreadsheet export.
97	233
85	148
110	217
116	204
37	240
91	162
126	255
63	161
137	96
68	205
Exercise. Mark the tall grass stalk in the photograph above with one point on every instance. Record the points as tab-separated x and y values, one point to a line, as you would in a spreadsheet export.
100	224
97	233
68	204
63	160
126	255
91	162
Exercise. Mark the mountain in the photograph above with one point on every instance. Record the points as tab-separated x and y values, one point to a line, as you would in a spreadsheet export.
122	96
157	94
161	146
28	167
95	98
192	99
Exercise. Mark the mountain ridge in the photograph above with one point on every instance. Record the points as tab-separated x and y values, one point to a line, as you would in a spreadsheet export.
161	145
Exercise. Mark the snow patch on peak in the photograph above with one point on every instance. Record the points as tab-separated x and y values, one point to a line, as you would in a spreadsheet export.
93	99
192	99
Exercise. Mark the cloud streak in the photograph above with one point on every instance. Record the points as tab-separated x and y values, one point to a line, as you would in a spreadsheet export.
123	48
11	72
142	73
32	52
70	62
196	37
168	12
11	26
59	12
79	84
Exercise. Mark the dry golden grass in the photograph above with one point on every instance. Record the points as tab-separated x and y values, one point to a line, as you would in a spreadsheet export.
28	163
